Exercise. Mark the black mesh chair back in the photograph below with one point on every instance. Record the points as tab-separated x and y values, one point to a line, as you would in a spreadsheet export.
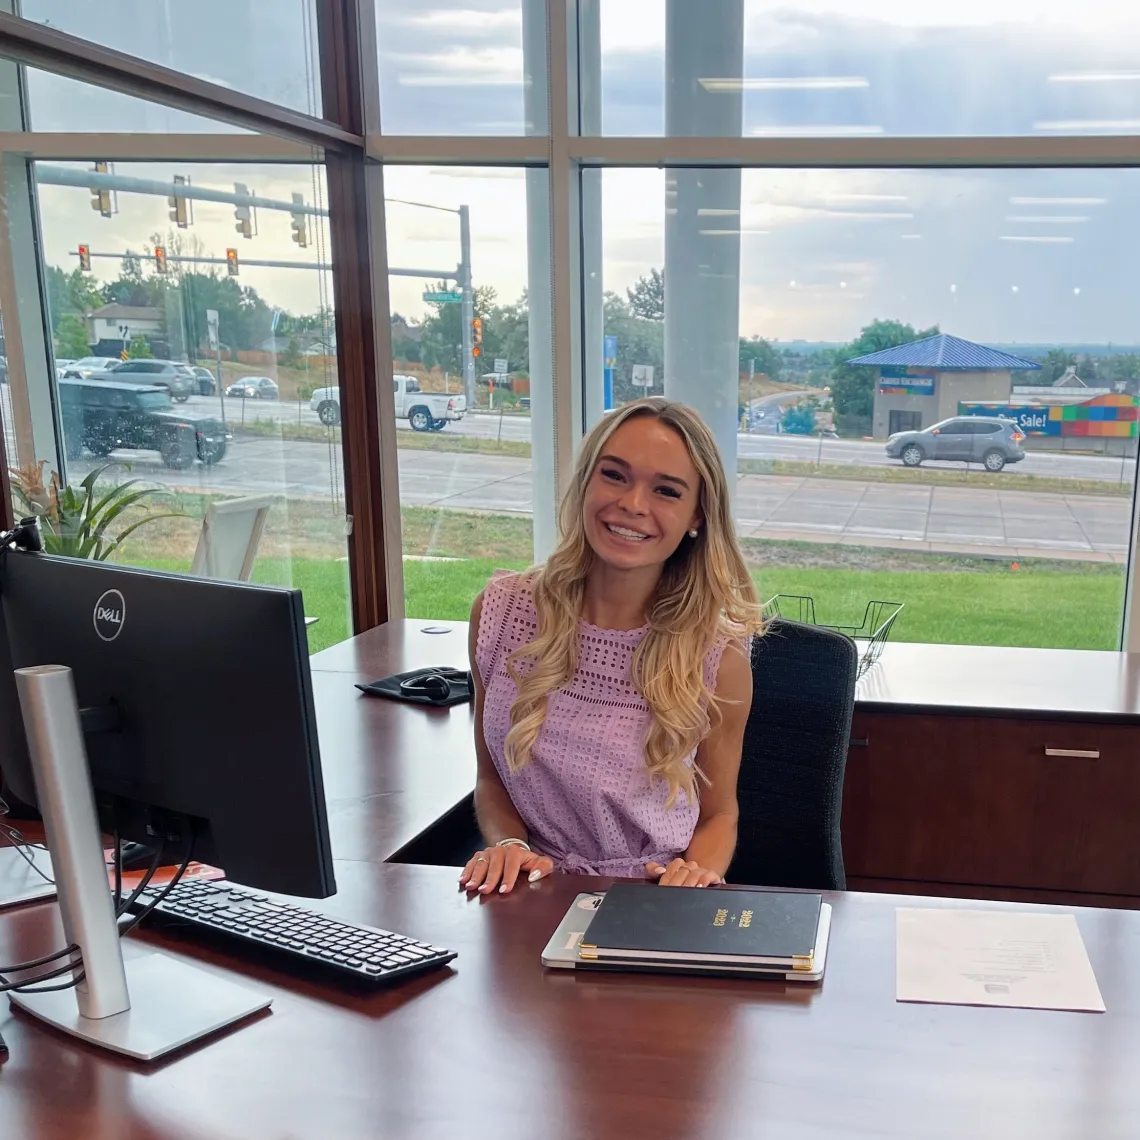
795	753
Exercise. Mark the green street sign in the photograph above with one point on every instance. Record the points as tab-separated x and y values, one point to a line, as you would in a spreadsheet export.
444	298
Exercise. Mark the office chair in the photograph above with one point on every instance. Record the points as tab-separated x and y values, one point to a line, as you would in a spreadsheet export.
795	752
230	535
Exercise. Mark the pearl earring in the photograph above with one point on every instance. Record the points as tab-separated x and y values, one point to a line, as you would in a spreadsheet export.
693	534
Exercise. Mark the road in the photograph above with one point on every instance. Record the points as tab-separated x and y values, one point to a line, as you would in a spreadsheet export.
756	445
1000	523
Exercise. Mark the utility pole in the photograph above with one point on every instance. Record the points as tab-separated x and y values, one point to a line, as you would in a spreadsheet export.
468	304
748	409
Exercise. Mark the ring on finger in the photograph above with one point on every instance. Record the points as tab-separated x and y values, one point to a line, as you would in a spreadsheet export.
481	859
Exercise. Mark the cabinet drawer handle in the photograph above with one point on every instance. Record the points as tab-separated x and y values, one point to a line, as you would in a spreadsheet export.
1075	753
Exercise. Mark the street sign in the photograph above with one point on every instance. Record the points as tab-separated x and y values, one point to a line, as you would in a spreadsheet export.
448	298
212	328
642	375
609	350
501	365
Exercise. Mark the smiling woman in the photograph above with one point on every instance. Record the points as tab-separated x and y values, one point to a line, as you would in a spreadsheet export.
613	681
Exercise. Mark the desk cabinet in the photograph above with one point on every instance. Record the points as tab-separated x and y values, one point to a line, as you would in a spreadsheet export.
993	801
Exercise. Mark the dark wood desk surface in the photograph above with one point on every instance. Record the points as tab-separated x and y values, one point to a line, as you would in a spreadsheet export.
421	761
498	1049
414	762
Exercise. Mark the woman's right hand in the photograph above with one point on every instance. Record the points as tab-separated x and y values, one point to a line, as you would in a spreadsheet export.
500	867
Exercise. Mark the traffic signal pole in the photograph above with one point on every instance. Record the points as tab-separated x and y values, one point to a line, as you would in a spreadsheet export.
468	304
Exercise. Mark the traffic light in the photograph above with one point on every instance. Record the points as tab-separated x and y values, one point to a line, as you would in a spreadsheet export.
300	223
179	206
244	224
160	258
232	262
477	337
101	199
85	258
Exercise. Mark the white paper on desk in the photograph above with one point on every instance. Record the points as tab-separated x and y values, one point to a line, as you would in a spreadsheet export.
993	957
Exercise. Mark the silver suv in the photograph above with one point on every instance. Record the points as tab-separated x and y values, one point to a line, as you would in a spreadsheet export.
988	440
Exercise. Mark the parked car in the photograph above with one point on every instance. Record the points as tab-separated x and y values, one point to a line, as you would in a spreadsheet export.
61	366
424	411
987	440
87	366
172	375
207	385
101	415
253	388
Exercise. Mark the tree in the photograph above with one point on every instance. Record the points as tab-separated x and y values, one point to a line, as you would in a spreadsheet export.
441	339
1054	363
647	297
72	293
71	338
799	419
140	349
639	341
853	389
768	360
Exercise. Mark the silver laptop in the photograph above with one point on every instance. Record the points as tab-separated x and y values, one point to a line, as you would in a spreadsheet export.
561	951
25	874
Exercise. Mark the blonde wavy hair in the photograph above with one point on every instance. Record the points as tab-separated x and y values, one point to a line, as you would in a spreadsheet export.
705	592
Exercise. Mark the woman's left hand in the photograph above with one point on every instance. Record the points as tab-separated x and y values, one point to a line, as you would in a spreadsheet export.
682	873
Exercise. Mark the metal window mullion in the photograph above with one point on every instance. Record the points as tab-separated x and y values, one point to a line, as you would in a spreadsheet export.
392	552
142	147
504	150
564	247
49	49
861	153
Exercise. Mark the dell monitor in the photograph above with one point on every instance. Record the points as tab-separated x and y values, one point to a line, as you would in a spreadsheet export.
197	709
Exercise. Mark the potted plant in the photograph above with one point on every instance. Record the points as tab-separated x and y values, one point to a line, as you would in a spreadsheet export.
80	521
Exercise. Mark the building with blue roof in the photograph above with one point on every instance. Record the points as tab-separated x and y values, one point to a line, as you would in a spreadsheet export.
921	383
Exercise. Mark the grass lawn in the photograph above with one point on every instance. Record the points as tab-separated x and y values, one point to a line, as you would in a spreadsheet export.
1046	608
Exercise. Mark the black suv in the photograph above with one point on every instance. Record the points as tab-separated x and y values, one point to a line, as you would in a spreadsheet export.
178	379
100	415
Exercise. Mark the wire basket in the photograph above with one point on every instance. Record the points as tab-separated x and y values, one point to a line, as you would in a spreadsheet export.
870	636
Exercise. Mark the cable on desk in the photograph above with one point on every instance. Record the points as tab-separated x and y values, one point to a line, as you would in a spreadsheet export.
137	918
21	845
129	901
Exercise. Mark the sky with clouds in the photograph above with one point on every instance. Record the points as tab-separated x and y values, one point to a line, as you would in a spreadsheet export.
1041	255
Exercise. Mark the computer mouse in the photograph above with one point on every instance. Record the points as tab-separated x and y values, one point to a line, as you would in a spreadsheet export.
136	856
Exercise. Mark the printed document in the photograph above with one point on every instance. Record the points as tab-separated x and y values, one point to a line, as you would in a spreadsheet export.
993	957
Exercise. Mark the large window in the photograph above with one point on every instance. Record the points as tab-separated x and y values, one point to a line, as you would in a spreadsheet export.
265	48
463	420
191	336
982	474
856	70
886	253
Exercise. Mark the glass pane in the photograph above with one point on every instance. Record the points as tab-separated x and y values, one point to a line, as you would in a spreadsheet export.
154	281
266	48
872	67
1004	295
460	67
55	103
464	434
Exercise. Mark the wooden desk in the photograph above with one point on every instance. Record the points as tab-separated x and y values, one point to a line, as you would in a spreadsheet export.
949	786
391	769
499	1049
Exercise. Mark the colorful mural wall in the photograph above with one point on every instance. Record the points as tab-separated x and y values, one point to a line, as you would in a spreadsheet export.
1114	416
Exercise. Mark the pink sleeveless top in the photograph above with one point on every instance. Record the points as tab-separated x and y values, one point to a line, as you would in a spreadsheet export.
585	795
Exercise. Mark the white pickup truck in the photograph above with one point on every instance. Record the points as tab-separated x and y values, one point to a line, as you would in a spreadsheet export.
423	410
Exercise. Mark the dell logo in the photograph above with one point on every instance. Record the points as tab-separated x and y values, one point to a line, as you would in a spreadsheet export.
110	613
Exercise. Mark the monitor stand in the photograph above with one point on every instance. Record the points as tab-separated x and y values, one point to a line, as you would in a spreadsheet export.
150	1003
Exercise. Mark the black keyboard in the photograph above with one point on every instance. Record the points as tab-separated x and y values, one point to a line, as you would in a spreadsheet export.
348	948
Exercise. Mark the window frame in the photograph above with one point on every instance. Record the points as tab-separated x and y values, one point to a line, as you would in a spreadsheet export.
349	139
